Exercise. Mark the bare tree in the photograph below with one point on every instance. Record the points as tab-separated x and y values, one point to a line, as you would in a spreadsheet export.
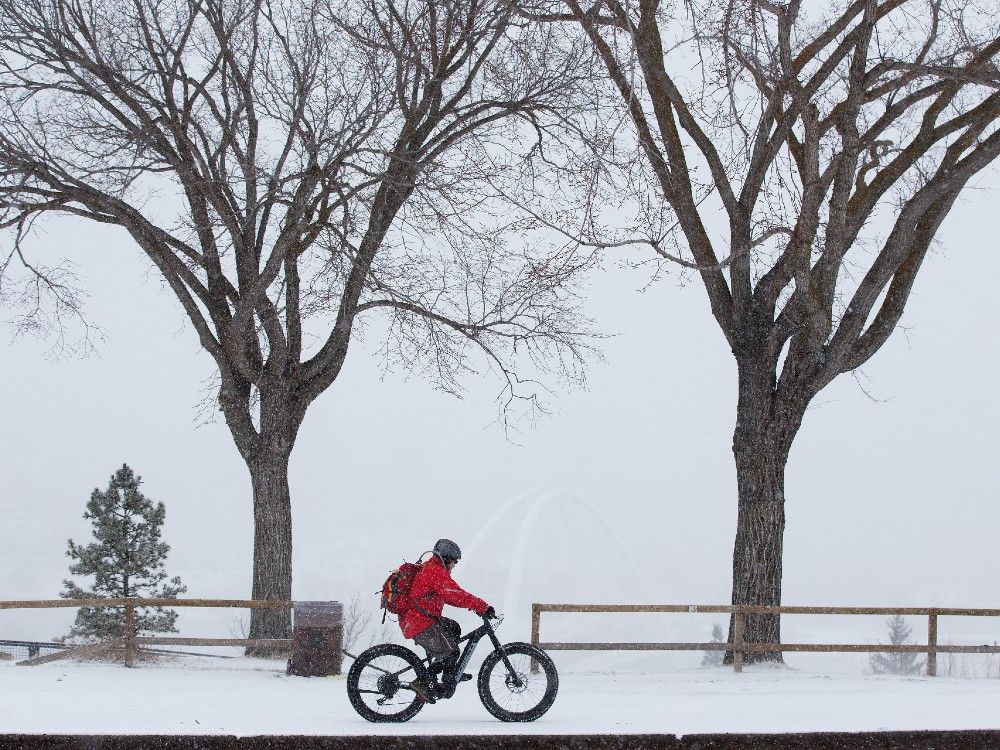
293	169
361	628
799	159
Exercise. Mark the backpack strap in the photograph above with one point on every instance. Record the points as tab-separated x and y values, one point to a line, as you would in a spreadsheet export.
421	610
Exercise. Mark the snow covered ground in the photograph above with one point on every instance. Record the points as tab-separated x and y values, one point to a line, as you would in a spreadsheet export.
191	695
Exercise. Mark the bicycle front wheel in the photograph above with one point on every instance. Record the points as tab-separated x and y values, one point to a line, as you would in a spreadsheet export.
378	683
518	695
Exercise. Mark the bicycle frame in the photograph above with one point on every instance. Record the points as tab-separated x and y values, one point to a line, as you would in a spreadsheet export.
472	639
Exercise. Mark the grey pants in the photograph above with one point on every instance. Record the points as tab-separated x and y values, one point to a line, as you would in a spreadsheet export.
440	641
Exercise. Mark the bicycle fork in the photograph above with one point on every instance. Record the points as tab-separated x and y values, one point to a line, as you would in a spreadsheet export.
515	680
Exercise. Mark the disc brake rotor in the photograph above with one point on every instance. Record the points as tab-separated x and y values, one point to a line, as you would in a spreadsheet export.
516	683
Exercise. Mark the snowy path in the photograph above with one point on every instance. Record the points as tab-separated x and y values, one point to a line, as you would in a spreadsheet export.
195	696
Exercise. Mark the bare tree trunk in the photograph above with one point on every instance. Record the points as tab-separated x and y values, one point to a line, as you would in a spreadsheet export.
757	553
272	547
267	447
763	434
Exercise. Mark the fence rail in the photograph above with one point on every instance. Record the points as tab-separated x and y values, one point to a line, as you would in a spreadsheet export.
131	640
230	603
740	647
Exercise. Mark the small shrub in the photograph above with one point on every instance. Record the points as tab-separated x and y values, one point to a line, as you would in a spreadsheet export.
891	662
714	657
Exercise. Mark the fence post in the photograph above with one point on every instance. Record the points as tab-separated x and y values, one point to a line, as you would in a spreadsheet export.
129	634
536	616
932	637
739	624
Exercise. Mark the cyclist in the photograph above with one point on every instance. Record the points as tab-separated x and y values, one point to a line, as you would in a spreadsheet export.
432	588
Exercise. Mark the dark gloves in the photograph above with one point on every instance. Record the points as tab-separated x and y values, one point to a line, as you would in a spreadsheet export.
490	613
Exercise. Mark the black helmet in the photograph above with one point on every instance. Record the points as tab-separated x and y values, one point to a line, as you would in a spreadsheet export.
447	550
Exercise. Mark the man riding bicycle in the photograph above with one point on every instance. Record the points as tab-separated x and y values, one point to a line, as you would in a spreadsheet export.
432	588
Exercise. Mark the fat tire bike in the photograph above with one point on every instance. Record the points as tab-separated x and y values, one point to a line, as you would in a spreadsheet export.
517	681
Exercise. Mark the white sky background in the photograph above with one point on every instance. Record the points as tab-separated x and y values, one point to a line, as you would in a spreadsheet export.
888	503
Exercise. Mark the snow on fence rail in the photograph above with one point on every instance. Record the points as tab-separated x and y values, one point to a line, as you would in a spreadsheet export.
131	641
740	647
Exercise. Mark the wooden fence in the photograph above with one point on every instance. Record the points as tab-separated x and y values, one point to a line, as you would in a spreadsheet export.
740	647
131	640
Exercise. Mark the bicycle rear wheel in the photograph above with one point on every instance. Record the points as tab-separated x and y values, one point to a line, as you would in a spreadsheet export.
378	683
523	695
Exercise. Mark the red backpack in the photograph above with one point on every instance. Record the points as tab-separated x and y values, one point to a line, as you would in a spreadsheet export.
396	589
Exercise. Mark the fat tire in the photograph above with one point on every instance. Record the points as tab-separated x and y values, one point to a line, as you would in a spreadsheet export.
354	676
547	666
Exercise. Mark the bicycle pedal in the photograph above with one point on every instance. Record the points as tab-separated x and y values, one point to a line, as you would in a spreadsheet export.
465	677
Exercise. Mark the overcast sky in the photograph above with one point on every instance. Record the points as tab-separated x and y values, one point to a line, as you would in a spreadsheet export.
892	497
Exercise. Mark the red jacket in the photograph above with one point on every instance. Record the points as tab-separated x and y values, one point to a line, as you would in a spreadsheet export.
432	588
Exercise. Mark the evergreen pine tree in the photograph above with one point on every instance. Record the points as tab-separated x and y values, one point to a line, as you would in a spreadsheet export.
714	658
894	662
126	560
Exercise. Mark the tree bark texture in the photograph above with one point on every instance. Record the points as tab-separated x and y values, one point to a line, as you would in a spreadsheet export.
272	548
757	552
766	424
266	448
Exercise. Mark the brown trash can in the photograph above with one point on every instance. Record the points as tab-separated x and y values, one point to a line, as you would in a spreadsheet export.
317	639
